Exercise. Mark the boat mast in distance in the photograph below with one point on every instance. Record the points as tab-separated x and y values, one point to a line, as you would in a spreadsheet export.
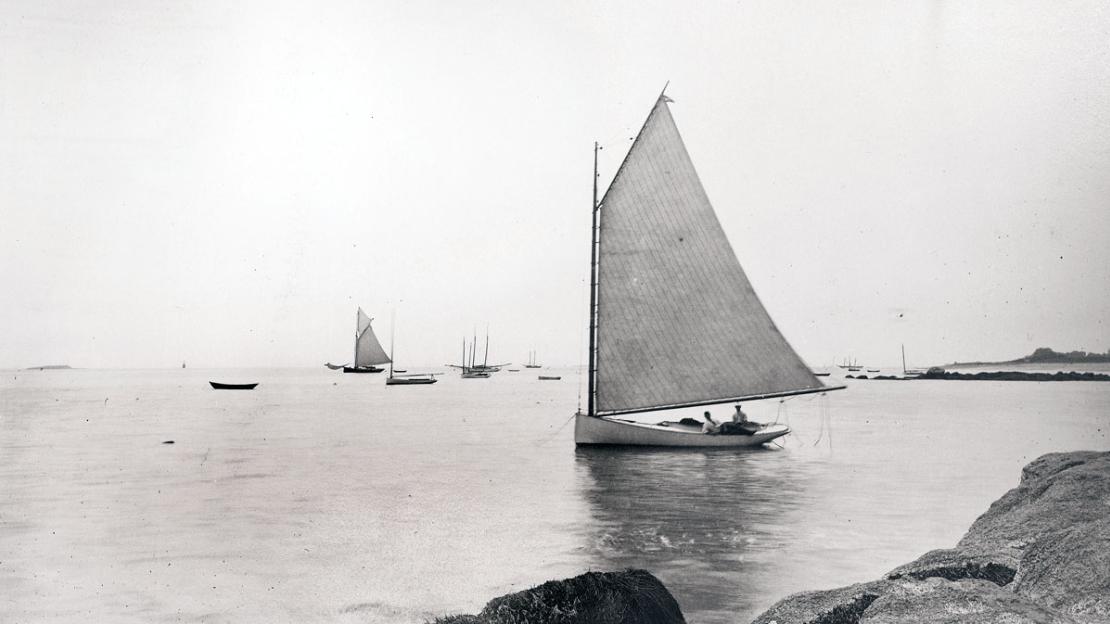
413	379
675	321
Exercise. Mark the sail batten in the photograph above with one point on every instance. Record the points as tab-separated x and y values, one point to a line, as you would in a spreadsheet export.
678	322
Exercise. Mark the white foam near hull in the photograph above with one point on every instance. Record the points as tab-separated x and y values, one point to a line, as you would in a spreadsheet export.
612	430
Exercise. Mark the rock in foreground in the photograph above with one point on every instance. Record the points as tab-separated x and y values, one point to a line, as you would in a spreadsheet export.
628	597
1041	553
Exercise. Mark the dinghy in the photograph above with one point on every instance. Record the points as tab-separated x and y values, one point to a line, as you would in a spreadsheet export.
226	386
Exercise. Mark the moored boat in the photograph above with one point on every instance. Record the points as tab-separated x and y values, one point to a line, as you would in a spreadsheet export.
415	380
532	361
411	379
226	386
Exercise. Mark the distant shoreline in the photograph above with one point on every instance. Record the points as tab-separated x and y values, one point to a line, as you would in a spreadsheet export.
50	367
1046	355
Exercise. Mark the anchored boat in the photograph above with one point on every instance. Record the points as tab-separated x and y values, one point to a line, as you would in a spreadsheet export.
674	321
226	386
411	379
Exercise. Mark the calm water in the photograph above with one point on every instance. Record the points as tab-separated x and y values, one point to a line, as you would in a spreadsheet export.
325	497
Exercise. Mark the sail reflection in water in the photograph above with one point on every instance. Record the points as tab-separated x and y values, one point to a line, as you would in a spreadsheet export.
707	522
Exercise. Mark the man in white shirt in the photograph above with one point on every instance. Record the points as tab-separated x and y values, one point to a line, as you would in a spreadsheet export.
710	426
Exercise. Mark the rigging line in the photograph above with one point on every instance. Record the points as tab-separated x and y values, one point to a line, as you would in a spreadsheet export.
828	418
581	305
556	432
821	431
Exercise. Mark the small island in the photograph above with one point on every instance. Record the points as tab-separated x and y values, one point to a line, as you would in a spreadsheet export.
1046	355
50	367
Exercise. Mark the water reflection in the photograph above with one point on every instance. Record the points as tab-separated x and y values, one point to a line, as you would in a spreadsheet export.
706	522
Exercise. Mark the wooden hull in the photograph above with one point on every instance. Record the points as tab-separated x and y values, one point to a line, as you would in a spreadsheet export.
222	386
614	431
362	369
477	375
549	378
410	381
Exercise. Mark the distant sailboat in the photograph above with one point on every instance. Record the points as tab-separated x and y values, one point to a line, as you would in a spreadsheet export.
413	379
469	372
474	370
485	366
368	351
674	321
909	372
532	360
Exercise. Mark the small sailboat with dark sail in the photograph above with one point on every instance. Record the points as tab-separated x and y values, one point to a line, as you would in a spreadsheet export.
368	351
674	321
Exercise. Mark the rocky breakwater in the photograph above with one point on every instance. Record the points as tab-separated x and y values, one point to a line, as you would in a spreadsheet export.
1041	553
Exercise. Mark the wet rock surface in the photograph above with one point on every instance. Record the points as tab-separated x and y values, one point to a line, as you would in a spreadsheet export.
627	597
1041	553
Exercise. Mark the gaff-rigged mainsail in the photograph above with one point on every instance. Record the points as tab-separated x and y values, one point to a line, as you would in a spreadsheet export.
678	322
368	351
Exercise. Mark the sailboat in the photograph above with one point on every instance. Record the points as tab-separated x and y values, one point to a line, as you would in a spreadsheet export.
674	321
532	360
474	370
368	351
469	372
411	379
485	366
909	372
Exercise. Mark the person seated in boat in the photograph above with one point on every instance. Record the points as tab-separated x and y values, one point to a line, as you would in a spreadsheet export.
710	426
740	425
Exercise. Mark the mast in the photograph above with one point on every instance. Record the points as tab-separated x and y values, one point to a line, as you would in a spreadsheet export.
355	361
392	327
903	359
594	242
485	358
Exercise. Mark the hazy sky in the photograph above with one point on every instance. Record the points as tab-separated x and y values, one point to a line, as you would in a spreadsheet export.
223	183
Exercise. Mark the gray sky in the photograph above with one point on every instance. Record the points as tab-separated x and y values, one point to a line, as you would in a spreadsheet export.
224	184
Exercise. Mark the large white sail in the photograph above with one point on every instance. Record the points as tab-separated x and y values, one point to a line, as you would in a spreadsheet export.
678	322
368	351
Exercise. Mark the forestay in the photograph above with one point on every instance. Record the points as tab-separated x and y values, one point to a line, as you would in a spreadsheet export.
368	351
678	321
